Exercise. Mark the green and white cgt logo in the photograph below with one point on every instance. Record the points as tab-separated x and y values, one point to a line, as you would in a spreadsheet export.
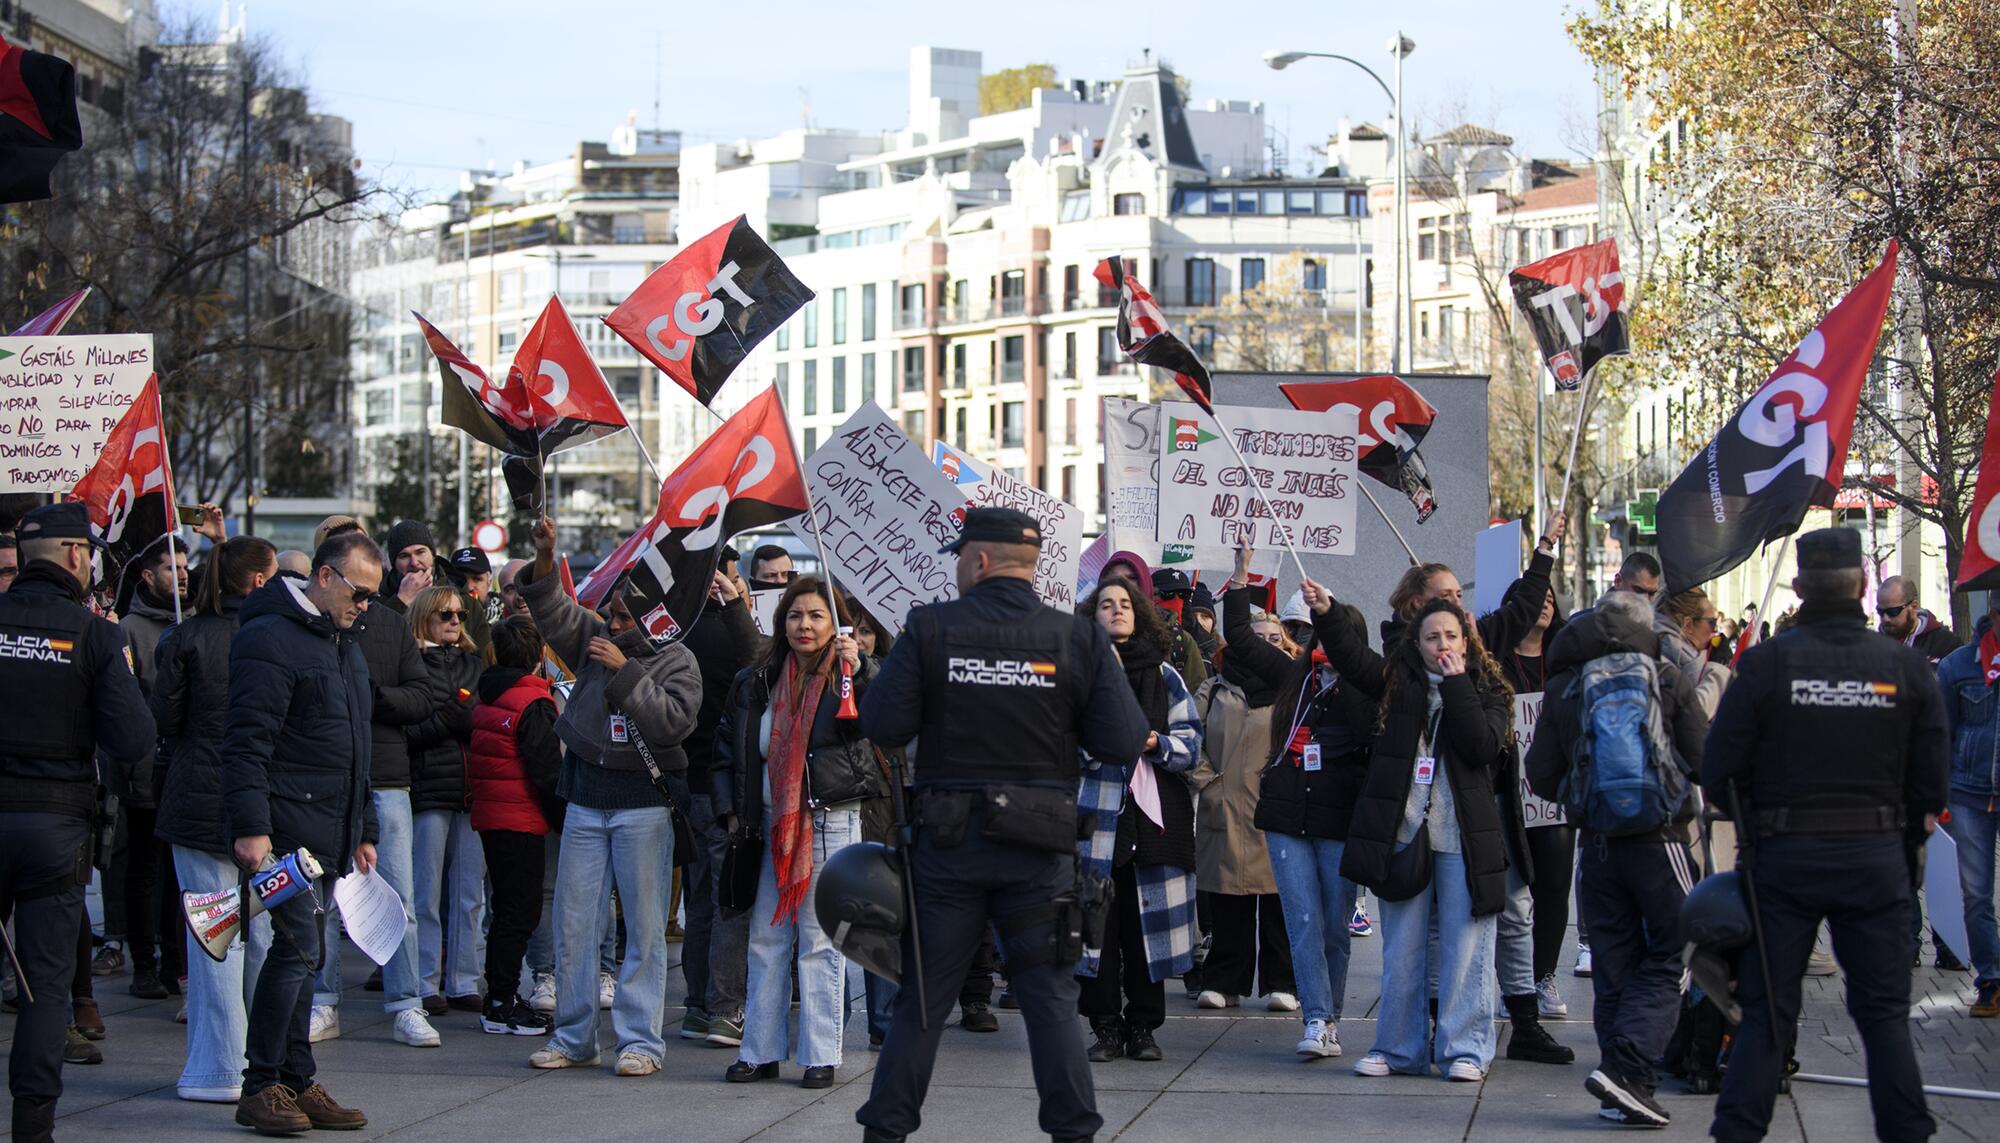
1177	554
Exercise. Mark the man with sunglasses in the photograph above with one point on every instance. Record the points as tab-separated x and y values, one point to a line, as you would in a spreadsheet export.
1905	620
296	754
73	699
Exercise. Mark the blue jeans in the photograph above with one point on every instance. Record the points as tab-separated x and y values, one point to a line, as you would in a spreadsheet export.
1973	829
394	857
542	942
1464	971
767	1001
218	993
451	903
1516	936
1318	903
634	850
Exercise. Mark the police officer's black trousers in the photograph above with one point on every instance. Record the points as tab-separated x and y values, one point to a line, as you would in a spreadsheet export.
279	1048
1861	886
40	854
1630	892
959	892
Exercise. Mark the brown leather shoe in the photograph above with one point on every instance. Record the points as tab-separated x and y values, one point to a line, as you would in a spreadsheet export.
272	1111
87	1018
327	1115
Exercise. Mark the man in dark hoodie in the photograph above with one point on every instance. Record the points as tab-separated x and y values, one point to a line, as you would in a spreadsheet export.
714	954
1632	885
295	775
401	691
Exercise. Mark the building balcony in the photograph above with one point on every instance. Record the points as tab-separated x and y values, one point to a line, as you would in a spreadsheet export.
913	381
1013	371
923	317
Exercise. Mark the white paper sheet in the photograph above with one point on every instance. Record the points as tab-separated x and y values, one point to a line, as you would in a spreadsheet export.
373	914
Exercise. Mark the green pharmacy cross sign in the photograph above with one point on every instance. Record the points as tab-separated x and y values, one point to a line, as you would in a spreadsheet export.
1643	514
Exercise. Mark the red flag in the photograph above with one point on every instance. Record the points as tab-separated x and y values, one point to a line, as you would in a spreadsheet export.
555	380
50	321
1979	563
129	492
1392	418
1145	338
568	580
745	475
1782	452
38	121
700	315
1575	303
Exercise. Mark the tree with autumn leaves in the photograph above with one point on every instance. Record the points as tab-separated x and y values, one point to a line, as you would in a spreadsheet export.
1788	141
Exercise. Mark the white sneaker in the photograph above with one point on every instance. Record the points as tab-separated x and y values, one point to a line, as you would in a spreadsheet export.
607	989
210	1094
1549	999
1465	1071
543	998
414	1029
325	1024
548	1058
1373	1064
1582	962
1214	999
1282	1002
1321	1041
636	1064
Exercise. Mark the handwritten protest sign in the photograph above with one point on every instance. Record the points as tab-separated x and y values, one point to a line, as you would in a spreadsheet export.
59	398
1062	523
1534	811
883	510
764	609
1132	495
1305	463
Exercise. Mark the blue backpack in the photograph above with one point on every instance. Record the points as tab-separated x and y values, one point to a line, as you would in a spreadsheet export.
1626	778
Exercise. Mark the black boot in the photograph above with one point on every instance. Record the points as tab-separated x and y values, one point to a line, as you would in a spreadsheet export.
34	1121
1110	1044
1531	1041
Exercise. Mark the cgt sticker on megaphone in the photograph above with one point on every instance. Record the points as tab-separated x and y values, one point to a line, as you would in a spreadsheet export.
215	918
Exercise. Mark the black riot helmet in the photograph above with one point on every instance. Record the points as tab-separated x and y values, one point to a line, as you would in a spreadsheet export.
859	904
1714	915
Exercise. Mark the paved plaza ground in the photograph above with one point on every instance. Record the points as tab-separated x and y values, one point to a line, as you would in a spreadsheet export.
1228	1075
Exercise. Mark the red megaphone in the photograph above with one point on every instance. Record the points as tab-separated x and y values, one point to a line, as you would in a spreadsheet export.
847	707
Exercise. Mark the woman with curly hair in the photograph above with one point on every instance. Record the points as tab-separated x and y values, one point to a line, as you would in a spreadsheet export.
1445	730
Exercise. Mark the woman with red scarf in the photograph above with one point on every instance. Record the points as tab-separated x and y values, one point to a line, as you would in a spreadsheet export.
1321	732
789	767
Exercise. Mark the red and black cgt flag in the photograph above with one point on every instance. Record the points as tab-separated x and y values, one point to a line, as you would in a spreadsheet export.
564	392
38	121
1979	564
700	315
1575	303
129	492
1782	452
1145	338
1392	419
745	475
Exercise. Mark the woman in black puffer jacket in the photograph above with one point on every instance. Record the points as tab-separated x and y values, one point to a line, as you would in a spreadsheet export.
190	698
1321	731
787	766
448	864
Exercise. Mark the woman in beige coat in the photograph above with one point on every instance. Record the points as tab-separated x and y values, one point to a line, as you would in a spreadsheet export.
1250	954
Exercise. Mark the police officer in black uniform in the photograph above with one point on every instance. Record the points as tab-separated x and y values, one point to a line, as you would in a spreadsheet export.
1833	739
70	698
999	691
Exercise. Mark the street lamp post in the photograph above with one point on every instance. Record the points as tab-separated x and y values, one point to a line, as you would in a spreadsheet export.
1401	46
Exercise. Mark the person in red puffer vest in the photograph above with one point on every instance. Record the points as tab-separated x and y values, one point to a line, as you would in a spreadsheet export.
511	765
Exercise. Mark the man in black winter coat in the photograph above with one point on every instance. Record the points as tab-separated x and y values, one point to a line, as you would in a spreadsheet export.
403	696
1632	886
295	774
715	951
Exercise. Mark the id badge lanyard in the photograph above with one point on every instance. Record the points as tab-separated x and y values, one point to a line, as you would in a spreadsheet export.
1309	754
1428	762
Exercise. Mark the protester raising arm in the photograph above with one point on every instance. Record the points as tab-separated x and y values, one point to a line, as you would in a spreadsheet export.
566	625
1272	666
1346	648
1505	626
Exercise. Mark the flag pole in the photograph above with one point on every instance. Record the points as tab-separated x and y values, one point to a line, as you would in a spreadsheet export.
1575	439
812	518
1770	589
173	509
1407	549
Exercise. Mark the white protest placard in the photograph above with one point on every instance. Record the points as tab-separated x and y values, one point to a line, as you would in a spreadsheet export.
1534	811
1062	522
1132	495
882	511
1496	564
764	609
1305	464
59	398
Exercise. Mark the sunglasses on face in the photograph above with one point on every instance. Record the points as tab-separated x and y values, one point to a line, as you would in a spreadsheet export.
361	597
449	616
1892	612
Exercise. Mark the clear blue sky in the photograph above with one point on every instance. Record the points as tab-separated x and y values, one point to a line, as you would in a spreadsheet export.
434	86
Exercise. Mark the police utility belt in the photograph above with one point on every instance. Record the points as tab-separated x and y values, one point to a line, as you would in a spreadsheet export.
48	795
1851	819
1041	818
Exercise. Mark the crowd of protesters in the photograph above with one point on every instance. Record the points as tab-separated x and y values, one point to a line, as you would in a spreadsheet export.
558	800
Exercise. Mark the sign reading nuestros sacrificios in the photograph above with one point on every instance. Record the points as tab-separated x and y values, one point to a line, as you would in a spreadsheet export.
882	510
59	398
1305	465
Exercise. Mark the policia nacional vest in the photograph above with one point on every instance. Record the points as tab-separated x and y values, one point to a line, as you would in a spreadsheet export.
47	751
1836	750
1002	698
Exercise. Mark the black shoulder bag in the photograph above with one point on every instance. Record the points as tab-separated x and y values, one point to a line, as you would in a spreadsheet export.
674	789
